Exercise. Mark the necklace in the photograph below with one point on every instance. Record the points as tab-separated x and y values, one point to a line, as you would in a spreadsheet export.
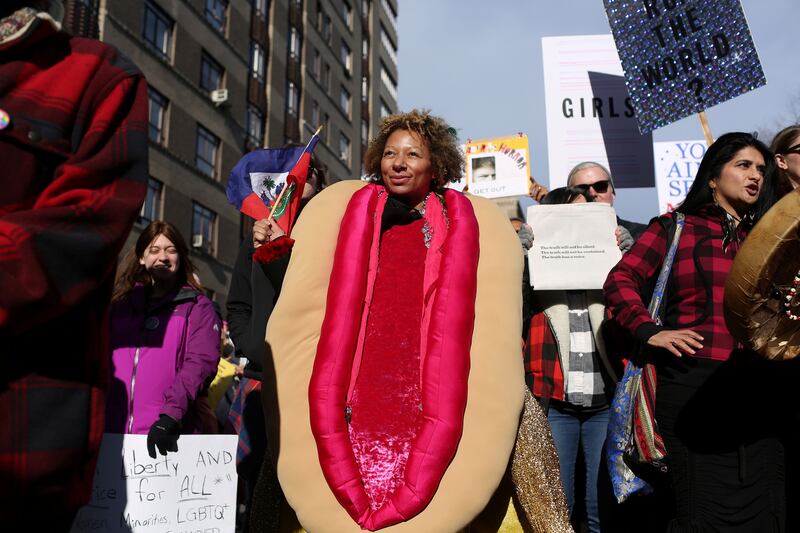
427	230
787	302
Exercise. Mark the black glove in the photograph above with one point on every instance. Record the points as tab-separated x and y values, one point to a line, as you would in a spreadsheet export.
163	434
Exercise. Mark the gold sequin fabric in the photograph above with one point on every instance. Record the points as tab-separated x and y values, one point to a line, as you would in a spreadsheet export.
535	473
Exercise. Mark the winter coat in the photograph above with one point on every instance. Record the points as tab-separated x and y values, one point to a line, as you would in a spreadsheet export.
164	354
74	154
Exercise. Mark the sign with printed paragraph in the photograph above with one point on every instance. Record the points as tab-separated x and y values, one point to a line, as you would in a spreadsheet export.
574	245
682	56
676	166
498	167
193	489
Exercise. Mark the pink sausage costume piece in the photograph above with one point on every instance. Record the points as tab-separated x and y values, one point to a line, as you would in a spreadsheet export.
408	437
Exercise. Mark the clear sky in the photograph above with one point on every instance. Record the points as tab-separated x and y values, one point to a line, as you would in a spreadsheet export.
478	63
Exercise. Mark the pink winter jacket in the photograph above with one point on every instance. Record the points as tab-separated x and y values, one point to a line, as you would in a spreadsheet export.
163	356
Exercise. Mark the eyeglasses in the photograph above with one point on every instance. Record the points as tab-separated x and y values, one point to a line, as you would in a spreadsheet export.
600	187
793	150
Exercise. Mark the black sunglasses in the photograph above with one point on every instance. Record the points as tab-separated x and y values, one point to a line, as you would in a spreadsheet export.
599	186
793	150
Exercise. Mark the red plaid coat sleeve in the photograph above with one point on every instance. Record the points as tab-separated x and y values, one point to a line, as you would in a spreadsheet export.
626	281
58	244
74	159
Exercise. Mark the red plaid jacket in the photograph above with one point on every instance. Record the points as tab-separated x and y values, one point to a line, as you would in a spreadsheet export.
695	290
543	372
75	160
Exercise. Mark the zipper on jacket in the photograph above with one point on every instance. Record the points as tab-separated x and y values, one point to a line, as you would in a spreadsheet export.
133	385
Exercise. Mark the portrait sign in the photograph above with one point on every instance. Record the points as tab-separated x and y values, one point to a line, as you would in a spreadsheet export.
676	166
193	489
682	56
498	167
589	114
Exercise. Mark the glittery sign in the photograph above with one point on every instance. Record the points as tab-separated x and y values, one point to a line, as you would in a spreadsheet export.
682	56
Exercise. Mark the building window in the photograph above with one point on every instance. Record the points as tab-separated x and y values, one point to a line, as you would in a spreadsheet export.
206	152
257	60
346	57
364	89
151	209
388	81
364	131
344	149
255	126
347	14
365	7
388	44
316	66
294	43
260	7
364	48
324	25
390	11
385	110
157	30
210	74
292	99
326	122
344	101
158	116
204	222
215	12
326	78
315	114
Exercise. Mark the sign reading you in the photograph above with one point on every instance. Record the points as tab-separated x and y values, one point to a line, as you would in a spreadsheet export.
682	56
193	489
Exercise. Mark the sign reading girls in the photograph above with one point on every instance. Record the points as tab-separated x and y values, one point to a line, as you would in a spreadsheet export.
682	56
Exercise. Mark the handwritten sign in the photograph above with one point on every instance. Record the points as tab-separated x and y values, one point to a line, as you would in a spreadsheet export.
682	56
676	166
498	167
574	245
191	490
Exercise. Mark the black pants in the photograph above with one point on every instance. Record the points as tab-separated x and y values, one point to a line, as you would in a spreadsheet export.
723	439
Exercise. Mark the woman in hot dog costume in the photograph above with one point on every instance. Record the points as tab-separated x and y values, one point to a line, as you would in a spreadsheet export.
397	352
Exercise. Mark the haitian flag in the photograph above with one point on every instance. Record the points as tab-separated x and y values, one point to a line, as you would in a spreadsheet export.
258	181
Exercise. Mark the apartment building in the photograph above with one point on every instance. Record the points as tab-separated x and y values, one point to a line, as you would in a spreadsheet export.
229	76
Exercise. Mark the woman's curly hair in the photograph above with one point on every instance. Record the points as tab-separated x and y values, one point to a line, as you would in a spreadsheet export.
441	139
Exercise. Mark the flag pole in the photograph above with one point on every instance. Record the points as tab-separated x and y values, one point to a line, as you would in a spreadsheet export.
277	201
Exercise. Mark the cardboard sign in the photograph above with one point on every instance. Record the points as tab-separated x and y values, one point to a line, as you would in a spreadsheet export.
574	245
498	167
682	56
676	166
589	114
193	489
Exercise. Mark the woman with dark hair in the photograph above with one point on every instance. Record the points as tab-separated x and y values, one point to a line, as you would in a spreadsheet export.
165	342
786	147
725	461
568	371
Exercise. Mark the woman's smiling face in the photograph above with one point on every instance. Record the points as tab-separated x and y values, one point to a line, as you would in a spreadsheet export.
406	167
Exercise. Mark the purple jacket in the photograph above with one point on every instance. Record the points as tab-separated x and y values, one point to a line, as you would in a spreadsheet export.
163	356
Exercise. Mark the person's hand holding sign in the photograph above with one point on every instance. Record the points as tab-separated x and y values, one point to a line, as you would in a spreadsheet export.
265	230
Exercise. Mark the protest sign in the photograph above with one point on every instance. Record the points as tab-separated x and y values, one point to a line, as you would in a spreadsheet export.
589	114
676	166
681	57
193	489
574	245
498	167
